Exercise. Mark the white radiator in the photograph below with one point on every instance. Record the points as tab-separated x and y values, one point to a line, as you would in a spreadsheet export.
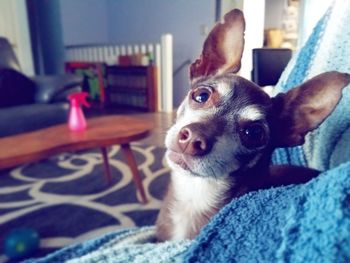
162	53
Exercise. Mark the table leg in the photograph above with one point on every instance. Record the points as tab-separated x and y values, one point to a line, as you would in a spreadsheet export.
106	166
135	173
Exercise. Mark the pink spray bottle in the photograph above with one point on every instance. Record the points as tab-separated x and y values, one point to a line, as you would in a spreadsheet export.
76	119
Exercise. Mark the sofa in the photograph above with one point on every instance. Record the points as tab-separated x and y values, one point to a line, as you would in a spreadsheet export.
30	103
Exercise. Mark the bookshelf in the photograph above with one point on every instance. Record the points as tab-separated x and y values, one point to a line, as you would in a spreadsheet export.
132	87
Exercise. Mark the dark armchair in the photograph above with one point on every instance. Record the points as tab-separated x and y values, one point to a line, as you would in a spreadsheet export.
30	103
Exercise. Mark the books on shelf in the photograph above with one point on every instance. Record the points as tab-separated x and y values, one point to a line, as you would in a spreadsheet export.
128	99
119	85
132	86
128	81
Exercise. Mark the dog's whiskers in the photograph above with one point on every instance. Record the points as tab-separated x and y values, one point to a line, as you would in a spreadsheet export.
213	172
221	165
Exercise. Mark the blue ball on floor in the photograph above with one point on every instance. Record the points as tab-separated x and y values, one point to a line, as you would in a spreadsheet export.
21	242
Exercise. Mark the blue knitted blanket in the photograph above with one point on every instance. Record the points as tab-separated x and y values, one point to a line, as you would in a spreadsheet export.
298	223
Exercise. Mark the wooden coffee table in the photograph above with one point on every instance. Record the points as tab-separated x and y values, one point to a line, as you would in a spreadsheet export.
100	133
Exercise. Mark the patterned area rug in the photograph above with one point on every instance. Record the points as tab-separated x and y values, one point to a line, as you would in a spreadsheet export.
67	199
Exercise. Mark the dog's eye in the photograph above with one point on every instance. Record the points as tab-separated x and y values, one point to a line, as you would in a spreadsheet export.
201	94
253	135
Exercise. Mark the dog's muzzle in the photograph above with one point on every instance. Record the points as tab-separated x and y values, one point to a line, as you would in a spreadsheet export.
193	141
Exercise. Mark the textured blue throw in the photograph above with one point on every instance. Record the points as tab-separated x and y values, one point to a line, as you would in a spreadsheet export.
304	223
298	223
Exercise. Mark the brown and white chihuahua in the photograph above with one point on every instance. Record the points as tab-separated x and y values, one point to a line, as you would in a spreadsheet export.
227	128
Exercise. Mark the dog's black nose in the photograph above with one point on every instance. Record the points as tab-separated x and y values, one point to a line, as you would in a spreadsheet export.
192	141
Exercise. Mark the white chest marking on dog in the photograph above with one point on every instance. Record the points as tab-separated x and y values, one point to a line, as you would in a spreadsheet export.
194	197
252	112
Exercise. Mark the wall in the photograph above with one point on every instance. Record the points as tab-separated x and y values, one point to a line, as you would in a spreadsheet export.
84	21
274	13
254	14
15	27
139	21
227	5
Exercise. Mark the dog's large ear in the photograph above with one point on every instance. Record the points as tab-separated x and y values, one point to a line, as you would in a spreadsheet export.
304	108
223	48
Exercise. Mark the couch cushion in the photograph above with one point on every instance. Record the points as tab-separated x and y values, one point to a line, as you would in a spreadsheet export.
31	117
15	88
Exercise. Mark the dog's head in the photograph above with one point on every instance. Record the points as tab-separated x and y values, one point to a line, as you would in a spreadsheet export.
227	123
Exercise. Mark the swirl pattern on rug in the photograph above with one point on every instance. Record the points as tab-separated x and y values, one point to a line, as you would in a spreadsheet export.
67	198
